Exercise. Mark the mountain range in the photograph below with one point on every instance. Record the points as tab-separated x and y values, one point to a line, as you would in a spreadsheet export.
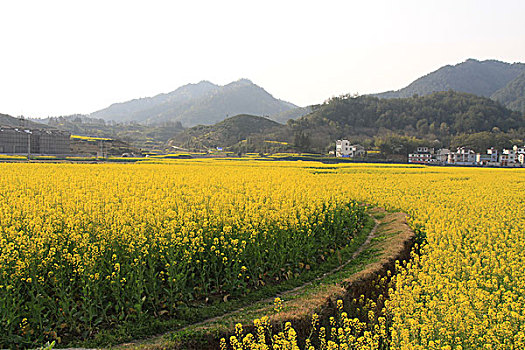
501	81
471	97
440	118
201	103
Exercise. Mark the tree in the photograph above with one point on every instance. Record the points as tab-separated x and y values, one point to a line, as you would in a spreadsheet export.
302	141
444	129
422	126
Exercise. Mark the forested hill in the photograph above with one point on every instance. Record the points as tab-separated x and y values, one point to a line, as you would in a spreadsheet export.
225	133
513	94
441	116
452	111
481	78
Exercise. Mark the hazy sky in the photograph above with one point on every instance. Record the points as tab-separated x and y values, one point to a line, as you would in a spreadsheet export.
65	57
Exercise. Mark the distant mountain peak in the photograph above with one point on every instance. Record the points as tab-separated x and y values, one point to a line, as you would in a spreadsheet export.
199	103
201	83
244	81
241	82
482	78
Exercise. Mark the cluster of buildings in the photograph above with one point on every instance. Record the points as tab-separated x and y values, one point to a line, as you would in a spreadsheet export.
17	140
514	157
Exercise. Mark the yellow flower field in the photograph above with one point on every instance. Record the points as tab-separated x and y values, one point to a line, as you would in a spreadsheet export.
84	247
119	233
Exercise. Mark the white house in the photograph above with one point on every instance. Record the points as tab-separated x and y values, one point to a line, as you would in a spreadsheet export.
463	156
423	155
343	148
508	157
491	158
520	154
442	155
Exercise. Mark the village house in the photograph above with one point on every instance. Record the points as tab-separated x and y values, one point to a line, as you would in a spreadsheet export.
520	154
423	155
343	148
463	156
490	159
508	157
442	155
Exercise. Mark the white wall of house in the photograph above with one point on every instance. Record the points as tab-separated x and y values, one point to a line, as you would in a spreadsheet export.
343	148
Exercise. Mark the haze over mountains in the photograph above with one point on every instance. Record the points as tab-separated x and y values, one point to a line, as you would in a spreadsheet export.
201	103
500	81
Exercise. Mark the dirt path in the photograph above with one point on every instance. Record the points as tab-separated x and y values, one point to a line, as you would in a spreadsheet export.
283	295
393	237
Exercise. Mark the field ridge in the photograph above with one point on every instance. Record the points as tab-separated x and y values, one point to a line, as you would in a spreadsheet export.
389	240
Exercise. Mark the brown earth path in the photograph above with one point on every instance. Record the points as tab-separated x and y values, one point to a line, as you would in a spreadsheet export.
394	240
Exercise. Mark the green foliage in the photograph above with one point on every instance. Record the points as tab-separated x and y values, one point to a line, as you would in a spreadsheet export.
238	130
302	141
513	94
138	135
460	111
481	141
396	126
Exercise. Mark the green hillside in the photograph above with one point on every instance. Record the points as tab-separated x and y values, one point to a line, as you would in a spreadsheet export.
513	94
393	126
138	135
439	116
226	133
455	111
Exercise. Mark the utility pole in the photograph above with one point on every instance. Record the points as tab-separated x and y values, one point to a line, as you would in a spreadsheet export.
26	125
28	145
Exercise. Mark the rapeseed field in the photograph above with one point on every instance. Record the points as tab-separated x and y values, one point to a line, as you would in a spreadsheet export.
90	246
87	247
466	287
